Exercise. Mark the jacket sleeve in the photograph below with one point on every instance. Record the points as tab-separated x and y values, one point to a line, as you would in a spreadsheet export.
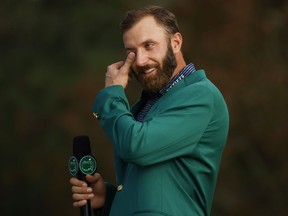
172	128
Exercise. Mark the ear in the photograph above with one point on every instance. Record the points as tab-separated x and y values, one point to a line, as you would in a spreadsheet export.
176	42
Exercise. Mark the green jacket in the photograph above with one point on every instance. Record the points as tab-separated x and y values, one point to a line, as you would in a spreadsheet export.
168	164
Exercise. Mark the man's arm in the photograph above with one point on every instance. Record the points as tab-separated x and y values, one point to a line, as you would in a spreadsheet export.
174	129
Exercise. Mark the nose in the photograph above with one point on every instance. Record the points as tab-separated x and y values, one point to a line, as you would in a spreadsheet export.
141	59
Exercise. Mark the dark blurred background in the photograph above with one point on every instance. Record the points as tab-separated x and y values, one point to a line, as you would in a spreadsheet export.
53	57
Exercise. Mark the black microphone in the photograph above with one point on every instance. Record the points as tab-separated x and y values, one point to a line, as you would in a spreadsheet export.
82	163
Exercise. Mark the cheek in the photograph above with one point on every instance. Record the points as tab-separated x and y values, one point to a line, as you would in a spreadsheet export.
160	55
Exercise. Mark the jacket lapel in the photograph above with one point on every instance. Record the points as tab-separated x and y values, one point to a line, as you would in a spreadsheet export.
193	78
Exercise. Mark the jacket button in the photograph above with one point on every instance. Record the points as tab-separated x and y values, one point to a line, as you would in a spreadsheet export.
97	115
120	187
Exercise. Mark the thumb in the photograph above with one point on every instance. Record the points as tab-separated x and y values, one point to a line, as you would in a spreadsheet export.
128	62
93	178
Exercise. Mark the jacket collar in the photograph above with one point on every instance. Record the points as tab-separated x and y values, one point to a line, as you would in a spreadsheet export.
192	78
188	80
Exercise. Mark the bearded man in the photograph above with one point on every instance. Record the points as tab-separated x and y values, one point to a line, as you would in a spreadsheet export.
168	146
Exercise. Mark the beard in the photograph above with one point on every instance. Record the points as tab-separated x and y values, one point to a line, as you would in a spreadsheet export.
163	74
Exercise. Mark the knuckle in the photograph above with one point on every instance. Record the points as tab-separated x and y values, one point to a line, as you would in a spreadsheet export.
74	196
74	189
109	67
76	205
72	180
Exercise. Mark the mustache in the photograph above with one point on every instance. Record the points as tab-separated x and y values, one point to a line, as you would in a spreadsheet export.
142	69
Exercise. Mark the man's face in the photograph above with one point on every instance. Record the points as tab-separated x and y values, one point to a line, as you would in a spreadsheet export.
155	61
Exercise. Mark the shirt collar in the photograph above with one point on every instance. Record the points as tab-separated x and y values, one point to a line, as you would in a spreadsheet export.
187	70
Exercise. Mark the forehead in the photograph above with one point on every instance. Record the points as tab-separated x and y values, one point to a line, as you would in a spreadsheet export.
145	29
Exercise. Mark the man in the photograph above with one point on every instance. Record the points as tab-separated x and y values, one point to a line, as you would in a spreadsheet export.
168	147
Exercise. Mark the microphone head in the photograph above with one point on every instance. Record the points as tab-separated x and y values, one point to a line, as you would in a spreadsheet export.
81	146
82	162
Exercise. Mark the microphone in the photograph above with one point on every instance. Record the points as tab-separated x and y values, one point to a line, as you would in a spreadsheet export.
82	163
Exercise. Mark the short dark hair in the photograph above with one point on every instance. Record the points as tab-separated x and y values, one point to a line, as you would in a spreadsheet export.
161	15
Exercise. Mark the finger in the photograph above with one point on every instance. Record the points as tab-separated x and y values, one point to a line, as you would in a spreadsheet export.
115	66
79	197
81	190
128	62
76	182
93	178
79	203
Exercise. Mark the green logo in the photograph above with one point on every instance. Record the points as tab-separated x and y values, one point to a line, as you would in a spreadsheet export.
88	165
73	165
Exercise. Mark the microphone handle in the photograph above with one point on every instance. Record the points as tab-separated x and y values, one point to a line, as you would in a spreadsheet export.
85	210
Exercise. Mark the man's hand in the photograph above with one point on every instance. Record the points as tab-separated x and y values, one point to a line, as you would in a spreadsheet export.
81	192
118	73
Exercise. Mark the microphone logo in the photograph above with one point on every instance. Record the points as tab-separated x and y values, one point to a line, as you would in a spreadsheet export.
88	165
73	166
